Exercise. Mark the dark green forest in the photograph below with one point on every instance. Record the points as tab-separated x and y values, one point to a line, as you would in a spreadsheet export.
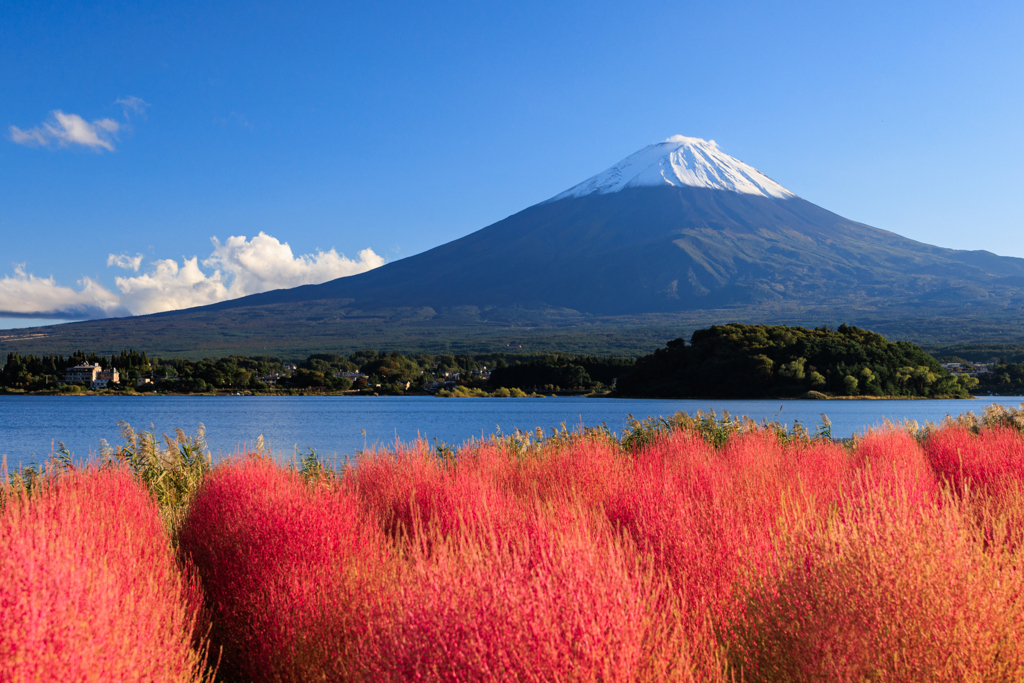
561	373
760	361
367	371
34	373
1004	378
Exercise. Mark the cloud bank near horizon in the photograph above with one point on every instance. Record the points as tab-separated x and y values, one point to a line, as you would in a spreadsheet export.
27	295
239	267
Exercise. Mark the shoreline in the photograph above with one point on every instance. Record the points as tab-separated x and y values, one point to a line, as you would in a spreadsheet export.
359	394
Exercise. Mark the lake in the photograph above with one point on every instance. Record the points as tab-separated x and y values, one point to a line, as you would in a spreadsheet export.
338	426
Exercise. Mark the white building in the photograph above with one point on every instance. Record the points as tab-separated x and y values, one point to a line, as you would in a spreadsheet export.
92	374
86	372
105	378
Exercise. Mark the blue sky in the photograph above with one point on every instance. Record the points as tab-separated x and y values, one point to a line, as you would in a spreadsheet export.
146	130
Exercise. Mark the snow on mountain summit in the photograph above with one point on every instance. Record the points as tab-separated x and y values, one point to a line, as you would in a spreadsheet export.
677	161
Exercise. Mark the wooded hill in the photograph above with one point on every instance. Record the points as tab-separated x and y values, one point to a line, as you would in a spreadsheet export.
760	361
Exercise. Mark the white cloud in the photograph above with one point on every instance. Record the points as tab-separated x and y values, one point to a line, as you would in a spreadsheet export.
133	104
69	129
168	287
240	267
26	294
125	261
28	137
265	263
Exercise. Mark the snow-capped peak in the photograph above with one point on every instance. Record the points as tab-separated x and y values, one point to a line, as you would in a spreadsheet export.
677	161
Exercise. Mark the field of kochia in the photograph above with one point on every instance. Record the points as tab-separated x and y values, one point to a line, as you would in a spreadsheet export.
691	549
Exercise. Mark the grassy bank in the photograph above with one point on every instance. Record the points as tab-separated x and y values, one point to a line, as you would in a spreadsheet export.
692	548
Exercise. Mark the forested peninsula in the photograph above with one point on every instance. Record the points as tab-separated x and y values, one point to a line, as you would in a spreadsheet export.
761	361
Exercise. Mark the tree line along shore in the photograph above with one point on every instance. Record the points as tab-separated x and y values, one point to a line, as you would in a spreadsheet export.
722	361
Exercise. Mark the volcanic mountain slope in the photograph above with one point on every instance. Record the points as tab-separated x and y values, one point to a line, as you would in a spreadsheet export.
678	226
679	234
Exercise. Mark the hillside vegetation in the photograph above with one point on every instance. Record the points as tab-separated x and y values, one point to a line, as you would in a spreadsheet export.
295	332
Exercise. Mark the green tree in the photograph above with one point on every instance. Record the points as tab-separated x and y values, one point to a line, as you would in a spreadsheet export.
794	369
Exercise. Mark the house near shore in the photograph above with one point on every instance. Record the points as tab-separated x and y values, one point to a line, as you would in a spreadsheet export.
972	370
352	376
86	372
431	386
92	374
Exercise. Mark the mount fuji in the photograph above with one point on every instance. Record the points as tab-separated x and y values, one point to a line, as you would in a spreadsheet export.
676	162
678	226
678	234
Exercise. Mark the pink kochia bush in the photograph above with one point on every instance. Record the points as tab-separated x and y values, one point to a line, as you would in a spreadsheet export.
89	586
559	602
707	516
408	487
291	573
509	573
992	460
767	558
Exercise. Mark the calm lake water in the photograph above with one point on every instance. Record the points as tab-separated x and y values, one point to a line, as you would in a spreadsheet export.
335	426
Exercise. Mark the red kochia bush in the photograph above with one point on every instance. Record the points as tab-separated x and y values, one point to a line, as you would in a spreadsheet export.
561	598
992	460
584	470
707	514
411	486
988	470
764	559
508	575
891	460
89	588
290	572
896	591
